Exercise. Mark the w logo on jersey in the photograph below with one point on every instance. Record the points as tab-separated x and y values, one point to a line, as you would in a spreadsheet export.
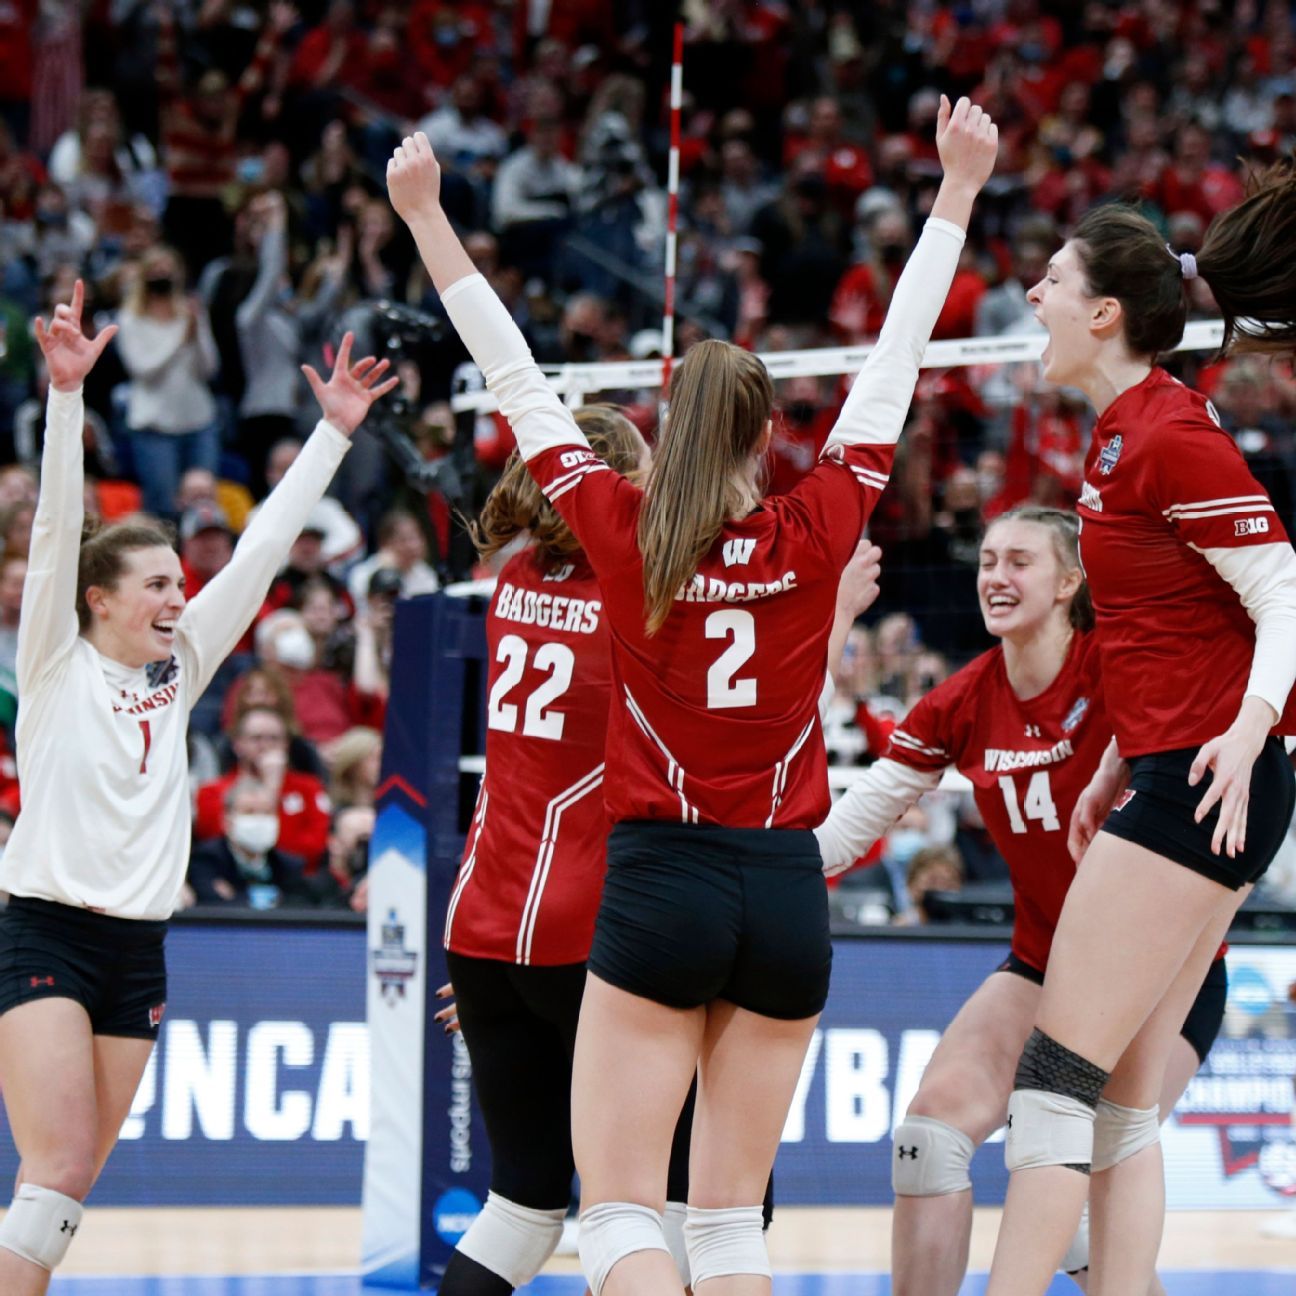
738	552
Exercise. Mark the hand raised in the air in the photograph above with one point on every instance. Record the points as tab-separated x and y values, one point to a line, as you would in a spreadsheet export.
967	141
69	354
345	399
414	179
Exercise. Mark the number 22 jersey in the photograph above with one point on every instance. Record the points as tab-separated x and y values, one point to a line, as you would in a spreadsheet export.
529	884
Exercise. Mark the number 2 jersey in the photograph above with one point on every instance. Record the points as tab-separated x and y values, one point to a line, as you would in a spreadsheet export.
102	757
714	718
1028	762
529	883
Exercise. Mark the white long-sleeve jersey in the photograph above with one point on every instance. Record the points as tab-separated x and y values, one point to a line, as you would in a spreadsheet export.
102	760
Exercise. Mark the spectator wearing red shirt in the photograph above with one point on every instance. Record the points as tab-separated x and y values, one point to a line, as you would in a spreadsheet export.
1193	182
206	544
844	165
306	561
260	742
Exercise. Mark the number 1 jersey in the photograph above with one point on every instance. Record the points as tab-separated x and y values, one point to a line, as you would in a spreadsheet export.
532	872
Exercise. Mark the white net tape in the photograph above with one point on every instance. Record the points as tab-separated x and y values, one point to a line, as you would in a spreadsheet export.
575	382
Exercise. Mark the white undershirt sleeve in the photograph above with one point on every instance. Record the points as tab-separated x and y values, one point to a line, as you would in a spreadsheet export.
875	410
47	625
1264	578
220	613
867	808
539	420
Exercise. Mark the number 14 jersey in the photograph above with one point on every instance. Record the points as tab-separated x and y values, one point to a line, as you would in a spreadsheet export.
1028	761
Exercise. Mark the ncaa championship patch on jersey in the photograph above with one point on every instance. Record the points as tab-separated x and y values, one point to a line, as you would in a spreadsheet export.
1075	715
1110	454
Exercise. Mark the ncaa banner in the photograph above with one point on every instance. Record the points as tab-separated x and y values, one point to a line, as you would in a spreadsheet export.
426	1165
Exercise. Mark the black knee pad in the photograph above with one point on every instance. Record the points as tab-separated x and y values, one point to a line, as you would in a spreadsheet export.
1051	1067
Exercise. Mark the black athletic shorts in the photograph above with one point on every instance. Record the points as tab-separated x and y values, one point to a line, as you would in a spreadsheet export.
694	912
519	1024
1204	1017
115	968
1157	813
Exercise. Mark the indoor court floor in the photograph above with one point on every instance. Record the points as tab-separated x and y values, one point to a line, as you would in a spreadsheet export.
816	1252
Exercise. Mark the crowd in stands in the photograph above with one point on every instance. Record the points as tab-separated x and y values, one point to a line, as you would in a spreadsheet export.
213	169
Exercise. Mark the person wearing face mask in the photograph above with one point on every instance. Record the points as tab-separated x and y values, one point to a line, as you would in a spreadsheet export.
165	343
110	660
1027	723
245	865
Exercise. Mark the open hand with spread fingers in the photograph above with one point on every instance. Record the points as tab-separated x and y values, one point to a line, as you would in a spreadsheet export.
351	389
69	354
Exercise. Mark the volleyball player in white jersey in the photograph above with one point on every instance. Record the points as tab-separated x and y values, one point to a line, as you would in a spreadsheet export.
110	659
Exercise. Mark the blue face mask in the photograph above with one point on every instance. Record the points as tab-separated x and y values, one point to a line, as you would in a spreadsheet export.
251	170
904	843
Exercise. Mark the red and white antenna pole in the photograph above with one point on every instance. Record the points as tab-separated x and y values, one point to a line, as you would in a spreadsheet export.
672	209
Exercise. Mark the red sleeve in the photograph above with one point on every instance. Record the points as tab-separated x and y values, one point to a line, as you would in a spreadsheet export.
923	739
831	507
1206	492
600	506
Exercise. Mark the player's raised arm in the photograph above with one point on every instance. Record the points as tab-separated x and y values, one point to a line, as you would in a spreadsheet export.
48	625
539	420
218	617
875	410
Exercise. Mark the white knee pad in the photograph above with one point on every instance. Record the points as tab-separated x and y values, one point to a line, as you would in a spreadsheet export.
611	1231
931	1158
512	1241
1120	1132
40	1225
1077	1254
673	1219
1048	1129
727	1241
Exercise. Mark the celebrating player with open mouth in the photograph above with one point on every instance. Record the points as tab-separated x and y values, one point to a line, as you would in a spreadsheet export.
110	660
1194	586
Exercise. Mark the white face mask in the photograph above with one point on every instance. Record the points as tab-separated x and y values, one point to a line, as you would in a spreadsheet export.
295	648
254	833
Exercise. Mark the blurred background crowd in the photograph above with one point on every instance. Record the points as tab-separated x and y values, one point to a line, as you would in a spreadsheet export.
214	170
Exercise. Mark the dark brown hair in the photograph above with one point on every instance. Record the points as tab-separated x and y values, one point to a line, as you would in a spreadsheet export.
1064	527
102	560
285	706
1245	260
720	400
516	503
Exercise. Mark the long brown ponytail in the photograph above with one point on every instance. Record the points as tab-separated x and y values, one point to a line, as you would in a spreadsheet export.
720	401
516	503
1245	259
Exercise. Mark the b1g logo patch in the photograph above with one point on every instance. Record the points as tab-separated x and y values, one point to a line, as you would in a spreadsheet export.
1124	799
155	1015
1251	526
1111	452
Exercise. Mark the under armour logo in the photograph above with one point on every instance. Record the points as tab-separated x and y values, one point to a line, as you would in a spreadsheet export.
911	1153
1032	731
41	981
69	1228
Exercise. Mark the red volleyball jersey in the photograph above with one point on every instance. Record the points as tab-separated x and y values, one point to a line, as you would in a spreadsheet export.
1162	482
1028	762
529	884
714	719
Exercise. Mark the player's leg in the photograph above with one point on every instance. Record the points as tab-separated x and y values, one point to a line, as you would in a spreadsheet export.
47	1076
756	1037
511	1020
960	1102
747	1074
119	1065
635	1060
1127	1191
1130	919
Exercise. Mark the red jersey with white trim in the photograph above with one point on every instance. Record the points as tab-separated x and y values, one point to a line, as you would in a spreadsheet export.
714	719
1028	762
532	872
1163	481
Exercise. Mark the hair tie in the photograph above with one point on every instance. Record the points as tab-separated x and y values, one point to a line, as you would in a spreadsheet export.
1187	262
